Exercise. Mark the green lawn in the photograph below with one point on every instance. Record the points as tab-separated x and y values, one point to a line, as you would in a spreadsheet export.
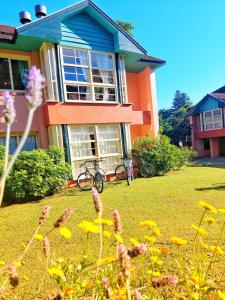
170	200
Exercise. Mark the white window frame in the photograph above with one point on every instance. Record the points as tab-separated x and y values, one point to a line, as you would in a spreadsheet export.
48	65
14	57
97	140
123	78
91	83
213	120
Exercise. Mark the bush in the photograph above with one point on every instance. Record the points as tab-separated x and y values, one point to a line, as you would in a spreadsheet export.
37	174
159	154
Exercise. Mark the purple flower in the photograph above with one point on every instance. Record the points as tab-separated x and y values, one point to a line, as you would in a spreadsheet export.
97	201
9	112
13	275
136	251
34	88
124	260
67	213
137	295
117	223
165	280
44	215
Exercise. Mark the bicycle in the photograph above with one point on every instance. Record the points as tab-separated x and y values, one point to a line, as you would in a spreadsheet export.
86	180
125	171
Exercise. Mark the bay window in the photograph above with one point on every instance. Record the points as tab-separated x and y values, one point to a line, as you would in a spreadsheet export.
13	73
94	142
88	75
213	119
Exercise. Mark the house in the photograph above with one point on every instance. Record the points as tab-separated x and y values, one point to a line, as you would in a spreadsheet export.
208	125
100	89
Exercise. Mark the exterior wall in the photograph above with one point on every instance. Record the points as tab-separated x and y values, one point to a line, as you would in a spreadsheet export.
82	31
142	95
38	126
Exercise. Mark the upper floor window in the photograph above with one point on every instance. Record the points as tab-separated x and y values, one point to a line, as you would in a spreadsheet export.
89	75
30	144
13	74
213	119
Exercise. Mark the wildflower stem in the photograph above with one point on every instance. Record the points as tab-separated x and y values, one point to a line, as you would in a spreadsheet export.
18	149
128	289
6	158
200	223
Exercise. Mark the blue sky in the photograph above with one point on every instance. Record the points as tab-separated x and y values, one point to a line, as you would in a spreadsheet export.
188	34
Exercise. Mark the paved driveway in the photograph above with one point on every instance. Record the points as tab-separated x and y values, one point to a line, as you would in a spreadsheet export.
218	161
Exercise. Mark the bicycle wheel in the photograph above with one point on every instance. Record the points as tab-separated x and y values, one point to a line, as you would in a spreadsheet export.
147	171
120	172
85	181
99	182
100	170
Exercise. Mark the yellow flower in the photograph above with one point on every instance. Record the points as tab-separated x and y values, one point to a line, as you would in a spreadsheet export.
205	246
150	239
156	261
2	263
25	277
210	220
134	242
57	272
154	273
89	227
17	264
60	260
68	292
217	250
38	236
148	224
178	241
156	231
104	222
65	232
107	234
23	245
154	249
106	259
118	238
222	211
200	230
207	207
221	295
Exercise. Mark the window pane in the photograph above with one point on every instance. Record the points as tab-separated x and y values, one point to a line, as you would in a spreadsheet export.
102	61
19	71
76	74
4	74
105	94
78	92
30	144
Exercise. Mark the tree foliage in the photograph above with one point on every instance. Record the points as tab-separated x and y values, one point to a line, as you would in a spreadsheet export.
127	26
174	122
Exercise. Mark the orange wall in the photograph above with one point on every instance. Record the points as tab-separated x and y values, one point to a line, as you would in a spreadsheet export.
38	125
139	94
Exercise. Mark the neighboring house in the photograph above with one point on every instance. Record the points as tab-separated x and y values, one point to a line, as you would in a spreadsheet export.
100	83
208	124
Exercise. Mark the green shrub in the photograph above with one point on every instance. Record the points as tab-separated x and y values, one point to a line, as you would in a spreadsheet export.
37	174
159	154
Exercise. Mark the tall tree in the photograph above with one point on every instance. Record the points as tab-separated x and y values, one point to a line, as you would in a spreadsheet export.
174	122
127	26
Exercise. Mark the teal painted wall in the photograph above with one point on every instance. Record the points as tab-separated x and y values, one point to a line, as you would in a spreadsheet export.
83	31
209	104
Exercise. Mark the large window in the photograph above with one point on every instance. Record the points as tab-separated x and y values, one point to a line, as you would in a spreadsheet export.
95	141
30	144
13	74
213	119
88	75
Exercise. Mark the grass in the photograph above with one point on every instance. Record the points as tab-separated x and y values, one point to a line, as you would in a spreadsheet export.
170	200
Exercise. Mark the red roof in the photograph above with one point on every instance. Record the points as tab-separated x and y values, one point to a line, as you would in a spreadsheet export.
7	33
218	95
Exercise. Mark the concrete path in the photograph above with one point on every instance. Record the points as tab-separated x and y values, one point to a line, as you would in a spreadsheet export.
218	161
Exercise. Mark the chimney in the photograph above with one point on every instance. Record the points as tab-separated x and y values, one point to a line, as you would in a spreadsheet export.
25	17
40	11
